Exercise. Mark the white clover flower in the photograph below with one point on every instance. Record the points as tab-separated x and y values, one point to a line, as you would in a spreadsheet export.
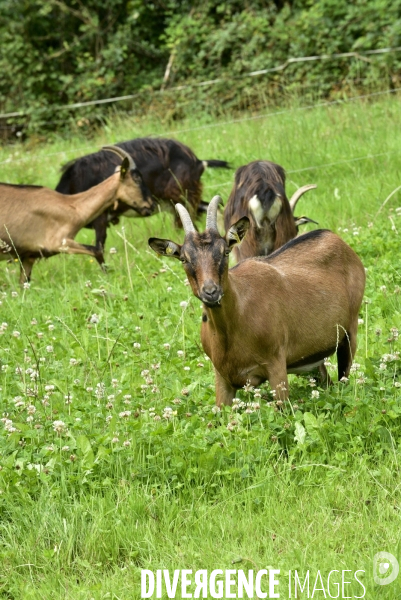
65	448
31	409
109	418
169	289
113	250
344	379
156	366
180	353
127	397
16	334
125	414
114	383
216	410
200	364
88	284
166	346
187	368
94	319
382	366
137	345
14	294
354	367
184	304
49	388
155	389
40	335
144	373
157	418
74	362
360	321
49	349
315	394
230	426
59	426
34	322
115	440
248	387
68	398
127	443
51	327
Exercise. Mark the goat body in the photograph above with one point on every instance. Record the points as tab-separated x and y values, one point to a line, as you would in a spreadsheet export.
259	193
38	222
170	170
269	316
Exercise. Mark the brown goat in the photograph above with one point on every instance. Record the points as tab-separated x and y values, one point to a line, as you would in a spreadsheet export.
259	193
269	316
37	222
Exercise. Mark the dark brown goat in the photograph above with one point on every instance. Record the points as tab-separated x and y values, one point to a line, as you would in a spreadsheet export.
38	222
259	193
269	316
170	170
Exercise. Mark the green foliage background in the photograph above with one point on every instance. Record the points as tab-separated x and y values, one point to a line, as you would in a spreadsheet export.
54	53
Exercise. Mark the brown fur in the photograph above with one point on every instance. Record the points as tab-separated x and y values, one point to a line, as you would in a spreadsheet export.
39	222
272	315
265	180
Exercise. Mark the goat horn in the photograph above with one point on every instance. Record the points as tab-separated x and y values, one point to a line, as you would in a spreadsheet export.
295	197
185	218
122	154
211	216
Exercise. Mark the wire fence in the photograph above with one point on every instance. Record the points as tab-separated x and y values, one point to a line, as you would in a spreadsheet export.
80	149
361	55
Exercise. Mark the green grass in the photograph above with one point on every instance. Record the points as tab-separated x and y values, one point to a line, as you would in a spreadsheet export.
314	486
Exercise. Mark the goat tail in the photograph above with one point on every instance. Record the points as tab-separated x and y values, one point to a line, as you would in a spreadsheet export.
216	164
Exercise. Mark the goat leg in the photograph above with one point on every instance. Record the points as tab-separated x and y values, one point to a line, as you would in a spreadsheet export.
26	269
224	391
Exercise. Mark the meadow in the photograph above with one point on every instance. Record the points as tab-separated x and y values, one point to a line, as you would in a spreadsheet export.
113	456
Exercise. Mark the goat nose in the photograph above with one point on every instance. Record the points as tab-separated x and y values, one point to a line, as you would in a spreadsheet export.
210	289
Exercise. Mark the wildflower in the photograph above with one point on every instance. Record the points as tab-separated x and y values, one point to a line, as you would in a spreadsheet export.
109	418
397	384
183	304
76	382
49	349
109	405
14	294
94	319
187	368
248	387
114	383
144	387
156	366
180	353
127	444
74	362
185	392
360	321
124	414
312	382
51	327
31	409
136	345
162	270
200	364
157	418
16	334
88	284
361	380
59	426
168	412
68	398
354	367
155	389
34	322
40	335
113	250
127	397
344	379
315	394
65	448
383	288
137	328
111	397
382	366
169	289
144	373
100	390
115	440
230	426
216	410
49	388
166	346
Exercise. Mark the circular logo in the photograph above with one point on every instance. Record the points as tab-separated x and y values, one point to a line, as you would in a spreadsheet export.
385	568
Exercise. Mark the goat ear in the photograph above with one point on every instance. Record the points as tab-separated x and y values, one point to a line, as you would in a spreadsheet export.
237	232
125	167
302	220
165	247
